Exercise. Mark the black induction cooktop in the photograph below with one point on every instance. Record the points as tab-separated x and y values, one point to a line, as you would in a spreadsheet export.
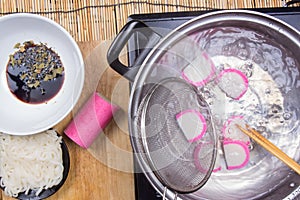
165	22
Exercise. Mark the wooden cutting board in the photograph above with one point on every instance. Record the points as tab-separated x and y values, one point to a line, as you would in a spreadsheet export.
105	170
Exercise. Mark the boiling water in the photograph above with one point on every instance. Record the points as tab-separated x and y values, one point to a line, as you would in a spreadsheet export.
263	107
270	105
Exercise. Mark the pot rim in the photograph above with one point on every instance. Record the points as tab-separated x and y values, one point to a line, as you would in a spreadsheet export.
208	18
230	15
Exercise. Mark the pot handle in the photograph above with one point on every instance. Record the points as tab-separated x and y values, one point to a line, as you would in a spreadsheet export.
121	40
287	4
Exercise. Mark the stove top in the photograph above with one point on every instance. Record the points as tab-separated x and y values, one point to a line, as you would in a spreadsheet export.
163	23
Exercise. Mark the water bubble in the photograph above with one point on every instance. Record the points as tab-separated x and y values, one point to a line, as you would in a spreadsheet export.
226	48
258	59
292	184
265	68
276	108
251	146
249	73
247	69
249	65
287	116
290	62
268	91
171	105
241	44
281	120
276	52
207	95
260	122
261	129
243	54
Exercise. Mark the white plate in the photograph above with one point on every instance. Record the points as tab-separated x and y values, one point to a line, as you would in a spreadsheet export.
17	117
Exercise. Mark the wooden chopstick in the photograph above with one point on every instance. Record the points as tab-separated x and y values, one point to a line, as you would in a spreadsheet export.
256	136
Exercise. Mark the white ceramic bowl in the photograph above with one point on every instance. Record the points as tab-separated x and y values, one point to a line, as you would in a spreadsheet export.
17	117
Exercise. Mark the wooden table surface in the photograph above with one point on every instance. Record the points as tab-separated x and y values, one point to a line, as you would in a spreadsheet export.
105	170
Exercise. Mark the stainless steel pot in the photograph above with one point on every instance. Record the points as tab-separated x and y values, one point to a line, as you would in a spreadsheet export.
267	49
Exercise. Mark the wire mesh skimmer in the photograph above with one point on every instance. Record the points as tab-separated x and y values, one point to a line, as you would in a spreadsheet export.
168	113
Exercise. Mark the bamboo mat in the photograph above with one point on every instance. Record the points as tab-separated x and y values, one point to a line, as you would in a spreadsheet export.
93	20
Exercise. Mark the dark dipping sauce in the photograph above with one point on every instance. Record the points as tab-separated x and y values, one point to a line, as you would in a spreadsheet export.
35	73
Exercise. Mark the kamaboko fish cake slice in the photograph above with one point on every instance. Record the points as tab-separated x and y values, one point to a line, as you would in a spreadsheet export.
231	132
233	83
236	154
200	71
192	123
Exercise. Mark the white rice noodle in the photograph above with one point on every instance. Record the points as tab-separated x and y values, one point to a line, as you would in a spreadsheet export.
30	162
